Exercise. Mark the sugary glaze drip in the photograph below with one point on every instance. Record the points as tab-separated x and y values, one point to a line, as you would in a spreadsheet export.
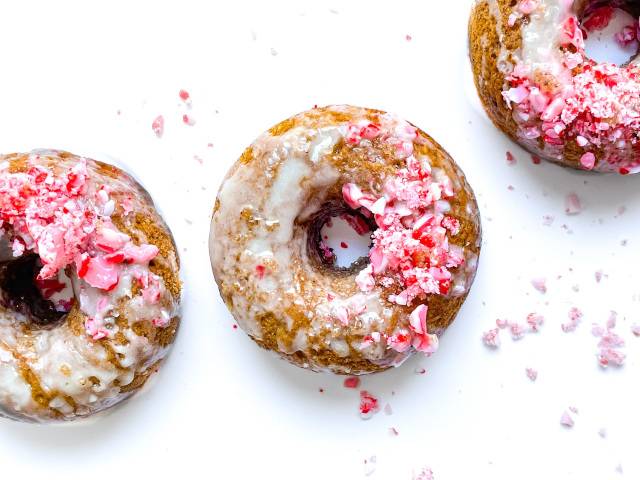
88	282
381	174
564	104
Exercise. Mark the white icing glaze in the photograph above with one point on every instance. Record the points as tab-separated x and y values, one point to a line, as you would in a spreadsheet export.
541	36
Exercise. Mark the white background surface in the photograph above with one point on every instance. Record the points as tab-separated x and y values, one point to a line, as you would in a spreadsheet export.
92	78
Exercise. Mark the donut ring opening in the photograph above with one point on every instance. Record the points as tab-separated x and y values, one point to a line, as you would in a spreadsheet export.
21	294
585	8
321	259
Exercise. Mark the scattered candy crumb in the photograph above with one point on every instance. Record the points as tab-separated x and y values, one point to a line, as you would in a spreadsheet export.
610	343
491	338
540	284
158	126
368	405
532	374
425	474
572	204
351	382
184	95
566	420
575	315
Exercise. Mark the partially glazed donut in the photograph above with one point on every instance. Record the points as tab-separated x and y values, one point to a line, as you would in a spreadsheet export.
539	86
89	286
385	176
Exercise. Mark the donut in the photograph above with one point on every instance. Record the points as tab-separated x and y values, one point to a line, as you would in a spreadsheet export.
391	182
89	286
539	86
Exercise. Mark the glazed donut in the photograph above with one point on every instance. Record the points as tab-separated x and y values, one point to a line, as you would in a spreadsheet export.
89	286
391	181
539	86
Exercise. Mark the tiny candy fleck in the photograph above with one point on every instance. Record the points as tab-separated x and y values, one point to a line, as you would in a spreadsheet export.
491	338
566	420
572	204
351	382
368	405
540	284
425	474
158	126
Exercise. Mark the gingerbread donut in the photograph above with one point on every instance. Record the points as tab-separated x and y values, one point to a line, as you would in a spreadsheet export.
391	181
89	287
540	87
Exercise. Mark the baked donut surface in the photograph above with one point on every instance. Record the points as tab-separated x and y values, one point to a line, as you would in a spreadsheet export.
385	177
89	286
539	86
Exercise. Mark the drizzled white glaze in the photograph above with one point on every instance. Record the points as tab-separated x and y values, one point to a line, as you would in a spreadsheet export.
541	36
73	370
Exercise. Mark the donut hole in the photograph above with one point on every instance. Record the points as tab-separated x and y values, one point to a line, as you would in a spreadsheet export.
19	291
339	238
610	29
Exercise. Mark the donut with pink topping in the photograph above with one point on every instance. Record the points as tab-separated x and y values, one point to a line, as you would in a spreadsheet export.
538	85
89	286
391	182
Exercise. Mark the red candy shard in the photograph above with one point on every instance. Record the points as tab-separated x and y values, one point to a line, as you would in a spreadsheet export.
158	126
368	405
599	19
101	274
351	382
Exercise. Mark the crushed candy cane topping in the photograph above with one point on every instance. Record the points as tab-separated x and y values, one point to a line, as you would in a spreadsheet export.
609	344
565	97
369	405
66	221
411	248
